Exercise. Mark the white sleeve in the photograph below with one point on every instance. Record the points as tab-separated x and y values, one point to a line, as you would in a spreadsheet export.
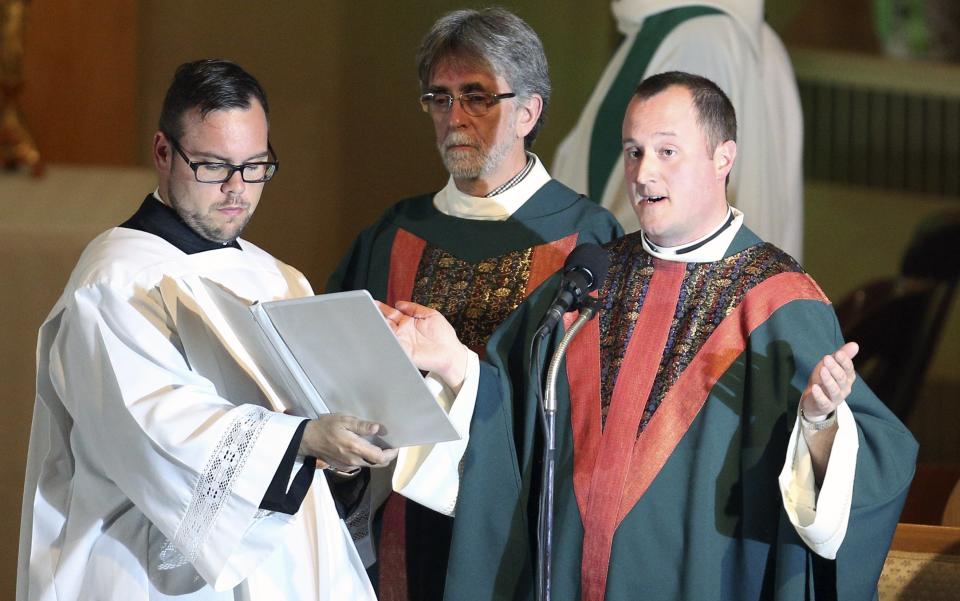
821	519
430	474
195	464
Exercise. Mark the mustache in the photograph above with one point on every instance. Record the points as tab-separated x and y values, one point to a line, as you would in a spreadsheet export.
459	139
238	203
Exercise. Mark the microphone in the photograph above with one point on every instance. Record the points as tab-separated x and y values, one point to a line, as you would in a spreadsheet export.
583	271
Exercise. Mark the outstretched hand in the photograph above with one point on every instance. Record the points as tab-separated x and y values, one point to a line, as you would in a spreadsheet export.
338	440
428	339
830	382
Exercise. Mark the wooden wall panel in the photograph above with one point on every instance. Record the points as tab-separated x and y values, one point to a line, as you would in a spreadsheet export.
80	75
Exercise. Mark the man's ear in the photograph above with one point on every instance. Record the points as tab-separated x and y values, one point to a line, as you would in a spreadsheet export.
162	152
529	111
723	158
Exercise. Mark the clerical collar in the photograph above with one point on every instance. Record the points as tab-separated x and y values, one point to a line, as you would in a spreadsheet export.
154	217
711	247
499	207
513	181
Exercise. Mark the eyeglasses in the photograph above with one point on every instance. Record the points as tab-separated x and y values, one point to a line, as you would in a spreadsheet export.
214	172
475	104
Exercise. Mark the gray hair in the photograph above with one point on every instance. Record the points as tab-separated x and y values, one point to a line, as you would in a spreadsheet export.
493	38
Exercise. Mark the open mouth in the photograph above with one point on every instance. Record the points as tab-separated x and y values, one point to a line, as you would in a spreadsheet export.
650	199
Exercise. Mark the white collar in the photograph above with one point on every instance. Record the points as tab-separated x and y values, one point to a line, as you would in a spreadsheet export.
748	13
451	201
714	250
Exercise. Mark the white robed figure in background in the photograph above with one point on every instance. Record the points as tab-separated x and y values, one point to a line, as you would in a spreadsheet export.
162	463
727	42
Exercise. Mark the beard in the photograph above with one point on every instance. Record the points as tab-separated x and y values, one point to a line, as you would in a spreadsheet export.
205	224
474	162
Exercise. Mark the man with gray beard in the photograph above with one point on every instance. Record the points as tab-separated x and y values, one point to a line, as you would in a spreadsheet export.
475	249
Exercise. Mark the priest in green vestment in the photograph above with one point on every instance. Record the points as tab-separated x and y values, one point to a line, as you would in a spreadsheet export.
475	249
727	42
713	439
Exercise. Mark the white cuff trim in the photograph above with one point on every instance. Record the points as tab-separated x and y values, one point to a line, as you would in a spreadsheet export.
430	474
821	520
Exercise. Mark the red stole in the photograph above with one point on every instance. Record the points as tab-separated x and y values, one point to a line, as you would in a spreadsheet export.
613	467
405	258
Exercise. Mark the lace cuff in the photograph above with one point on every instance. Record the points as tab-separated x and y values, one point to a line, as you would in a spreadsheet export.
216	479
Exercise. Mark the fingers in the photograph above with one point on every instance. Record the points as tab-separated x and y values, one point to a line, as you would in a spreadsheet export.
380	457
817	403
391	315
832	375
373	456
841	370
850	349
845	358
414	310
359	426
340	440
832	379
369	454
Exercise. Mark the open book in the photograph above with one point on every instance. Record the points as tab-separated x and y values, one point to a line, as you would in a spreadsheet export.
334	353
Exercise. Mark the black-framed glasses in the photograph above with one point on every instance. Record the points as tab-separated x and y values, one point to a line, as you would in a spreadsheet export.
216	172
475	104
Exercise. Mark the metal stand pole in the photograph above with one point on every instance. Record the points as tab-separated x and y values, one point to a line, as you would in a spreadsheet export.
545	522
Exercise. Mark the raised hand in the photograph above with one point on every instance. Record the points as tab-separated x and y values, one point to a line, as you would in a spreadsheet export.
428	339
830	382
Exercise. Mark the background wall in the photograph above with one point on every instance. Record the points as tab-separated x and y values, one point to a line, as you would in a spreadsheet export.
350	136
343	90
80	68
345	121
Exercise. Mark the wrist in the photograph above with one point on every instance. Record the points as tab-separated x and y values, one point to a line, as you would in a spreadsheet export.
456	372
819	422
305	449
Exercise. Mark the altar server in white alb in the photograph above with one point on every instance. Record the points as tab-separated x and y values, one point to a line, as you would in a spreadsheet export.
727	42
162	463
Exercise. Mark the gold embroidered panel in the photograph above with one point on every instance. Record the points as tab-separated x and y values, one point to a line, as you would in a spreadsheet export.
474	297
710	291
621	296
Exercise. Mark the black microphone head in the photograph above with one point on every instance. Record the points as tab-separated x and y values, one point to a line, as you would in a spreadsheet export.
583	272
591	261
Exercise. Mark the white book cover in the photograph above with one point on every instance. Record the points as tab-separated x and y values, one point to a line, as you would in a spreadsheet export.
334	353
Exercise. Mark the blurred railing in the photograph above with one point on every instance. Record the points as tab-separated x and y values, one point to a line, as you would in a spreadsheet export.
880	122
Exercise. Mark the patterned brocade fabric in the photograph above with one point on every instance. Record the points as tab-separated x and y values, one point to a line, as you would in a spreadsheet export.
710	292
474	297
622	295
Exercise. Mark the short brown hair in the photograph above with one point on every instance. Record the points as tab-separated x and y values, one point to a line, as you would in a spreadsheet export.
208	85
715	113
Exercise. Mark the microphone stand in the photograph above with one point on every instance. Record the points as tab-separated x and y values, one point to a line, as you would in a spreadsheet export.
549	408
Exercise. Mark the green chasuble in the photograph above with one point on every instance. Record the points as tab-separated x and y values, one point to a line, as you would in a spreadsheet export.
675	408
475	273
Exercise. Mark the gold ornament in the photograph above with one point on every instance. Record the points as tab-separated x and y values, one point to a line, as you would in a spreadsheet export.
17	147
